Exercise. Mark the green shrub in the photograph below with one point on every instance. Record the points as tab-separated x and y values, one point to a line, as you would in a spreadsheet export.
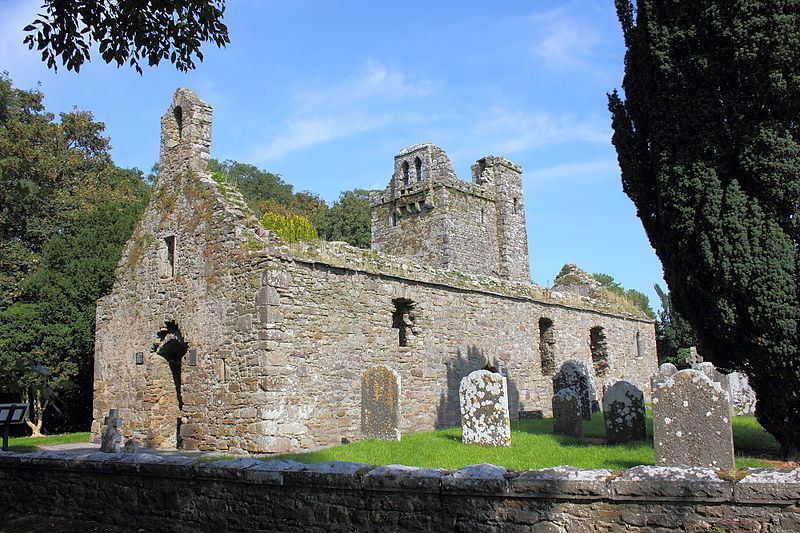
289	227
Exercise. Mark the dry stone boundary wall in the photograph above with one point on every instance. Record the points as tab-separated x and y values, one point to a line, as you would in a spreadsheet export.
175	494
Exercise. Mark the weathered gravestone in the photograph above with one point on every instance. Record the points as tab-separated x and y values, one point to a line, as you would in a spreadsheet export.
567	419
380	404
743	397
484	409
575	376
111	437
610	382
717	377
691	422
664	372
623	411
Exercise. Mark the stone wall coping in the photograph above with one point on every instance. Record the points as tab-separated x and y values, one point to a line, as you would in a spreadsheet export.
762	486
345	257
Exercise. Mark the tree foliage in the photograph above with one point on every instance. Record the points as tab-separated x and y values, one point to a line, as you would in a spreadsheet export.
708	141
65	212
347	220
290	228
126	31
264	191
50	172
674	335
637	298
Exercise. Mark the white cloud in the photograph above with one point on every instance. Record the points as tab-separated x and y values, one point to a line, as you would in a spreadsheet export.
355	105
513	131
574	171
563	41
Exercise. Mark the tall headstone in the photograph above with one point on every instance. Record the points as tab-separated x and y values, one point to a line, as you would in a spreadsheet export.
484	409
623	411
575	376
380	404
111	438
567	419
664	372
692	422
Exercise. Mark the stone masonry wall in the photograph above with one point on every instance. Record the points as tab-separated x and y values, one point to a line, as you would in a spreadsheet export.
280	334
174	494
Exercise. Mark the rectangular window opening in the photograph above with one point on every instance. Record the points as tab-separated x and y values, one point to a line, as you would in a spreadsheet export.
170	242
403	319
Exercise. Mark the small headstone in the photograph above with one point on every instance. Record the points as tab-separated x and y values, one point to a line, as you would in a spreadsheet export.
574	375
111	438
567	419
623	410
743	397
664	372
131	446
693	358
380	404
484	409
691	422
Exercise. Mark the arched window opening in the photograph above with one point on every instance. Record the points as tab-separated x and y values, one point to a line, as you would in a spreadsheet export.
178	112
599	350
405	173
547	346
418	167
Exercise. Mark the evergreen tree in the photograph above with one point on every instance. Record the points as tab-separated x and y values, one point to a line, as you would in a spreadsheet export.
708	140
674	335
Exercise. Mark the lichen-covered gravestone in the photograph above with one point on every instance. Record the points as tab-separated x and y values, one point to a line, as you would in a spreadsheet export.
574	375
691	422
484	409
623	410
567	419
380	404
743	397
111	439
664	372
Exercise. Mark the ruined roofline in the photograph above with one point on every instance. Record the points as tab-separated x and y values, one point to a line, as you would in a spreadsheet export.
339	255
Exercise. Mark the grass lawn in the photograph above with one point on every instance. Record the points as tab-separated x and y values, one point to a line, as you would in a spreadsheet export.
31	444
533	445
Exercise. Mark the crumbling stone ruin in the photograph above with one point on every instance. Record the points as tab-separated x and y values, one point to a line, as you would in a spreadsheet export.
217	335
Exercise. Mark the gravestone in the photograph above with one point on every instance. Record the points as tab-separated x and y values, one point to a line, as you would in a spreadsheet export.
694	358
610	382
380	404
111	437
664	372
716	376
692	422
575	376
623	411
484	409
567	419
743	397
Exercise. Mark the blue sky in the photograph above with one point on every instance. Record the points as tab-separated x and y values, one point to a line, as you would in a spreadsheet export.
326	92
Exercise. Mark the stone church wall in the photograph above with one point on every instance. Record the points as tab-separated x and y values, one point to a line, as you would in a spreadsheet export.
217	336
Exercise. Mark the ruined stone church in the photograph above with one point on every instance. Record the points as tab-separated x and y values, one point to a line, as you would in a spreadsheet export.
217	335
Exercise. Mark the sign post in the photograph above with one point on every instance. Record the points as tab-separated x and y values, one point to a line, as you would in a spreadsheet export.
11	413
